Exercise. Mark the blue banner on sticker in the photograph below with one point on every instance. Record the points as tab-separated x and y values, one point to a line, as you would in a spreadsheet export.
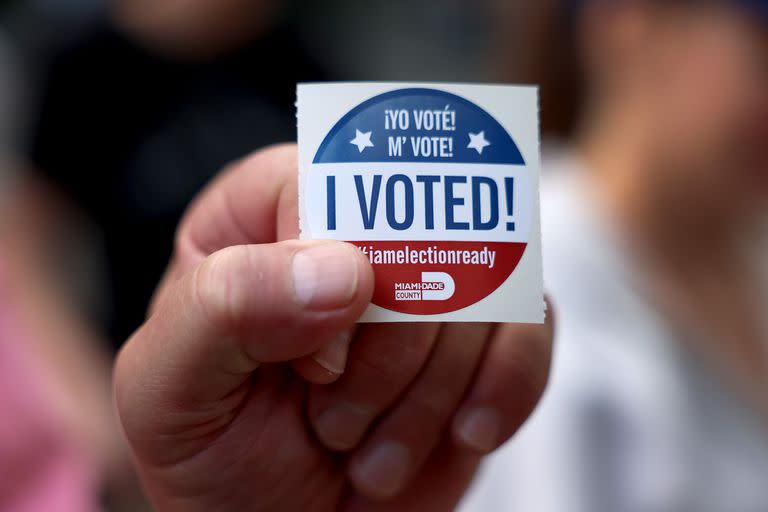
419	125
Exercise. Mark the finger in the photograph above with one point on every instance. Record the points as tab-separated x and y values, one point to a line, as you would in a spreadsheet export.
439	486
509	384
384	360
253	201
242	306
403	440
327	364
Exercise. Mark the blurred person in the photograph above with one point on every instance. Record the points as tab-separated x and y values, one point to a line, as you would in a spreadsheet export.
141	108
651	225
136	114
59	421
43	467
531	48
58	433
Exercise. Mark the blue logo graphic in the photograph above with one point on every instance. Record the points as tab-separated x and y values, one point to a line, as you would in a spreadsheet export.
419	125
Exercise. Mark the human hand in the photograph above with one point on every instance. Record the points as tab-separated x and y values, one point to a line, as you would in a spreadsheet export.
250	387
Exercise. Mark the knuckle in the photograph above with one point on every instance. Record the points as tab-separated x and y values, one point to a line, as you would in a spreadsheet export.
519	374
532	359
530	378
528	375
436	403
392	361
218	288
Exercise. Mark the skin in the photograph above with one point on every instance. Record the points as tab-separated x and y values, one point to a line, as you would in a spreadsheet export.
680	93
225	393
195	29
674	137
74	369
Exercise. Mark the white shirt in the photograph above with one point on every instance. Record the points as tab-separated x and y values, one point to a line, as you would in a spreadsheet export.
630	422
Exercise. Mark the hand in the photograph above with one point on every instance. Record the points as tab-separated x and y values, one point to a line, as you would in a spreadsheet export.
249	387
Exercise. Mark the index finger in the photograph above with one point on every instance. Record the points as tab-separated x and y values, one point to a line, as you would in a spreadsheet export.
253	201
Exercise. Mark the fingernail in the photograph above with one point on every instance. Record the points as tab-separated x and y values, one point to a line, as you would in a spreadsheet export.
342	426
480	429
382	470
325	276
333	357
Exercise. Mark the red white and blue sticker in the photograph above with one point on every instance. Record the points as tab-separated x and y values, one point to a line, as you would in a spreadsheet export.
437	185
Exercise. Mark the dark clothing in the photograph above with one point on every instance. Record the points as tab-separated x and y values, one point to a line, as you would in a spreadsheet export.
132	137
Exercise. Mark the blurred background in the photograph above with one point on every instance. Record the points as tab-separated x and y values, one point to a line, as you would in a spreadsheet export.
115	113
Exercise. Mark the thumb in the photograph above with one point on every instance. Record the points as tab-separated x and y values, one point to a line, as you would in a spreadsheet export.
241	307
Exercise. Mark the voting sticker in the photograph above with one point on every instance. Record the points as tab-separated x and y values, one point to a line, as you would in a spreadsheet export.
437	185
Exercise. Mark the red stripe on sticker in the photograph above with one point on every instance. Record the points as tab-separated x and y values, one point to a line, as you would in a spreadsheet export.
430	278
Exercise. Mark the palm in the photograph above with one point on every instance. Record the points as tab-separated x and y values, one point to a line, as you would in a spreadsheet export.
267	458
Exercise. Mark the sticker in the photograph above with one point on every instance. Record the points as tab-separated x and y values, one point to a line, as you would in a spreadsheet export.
437	185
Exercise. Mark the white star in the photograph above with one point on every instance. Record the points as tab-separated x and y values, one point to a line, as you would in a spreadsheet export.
477	141
362	140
